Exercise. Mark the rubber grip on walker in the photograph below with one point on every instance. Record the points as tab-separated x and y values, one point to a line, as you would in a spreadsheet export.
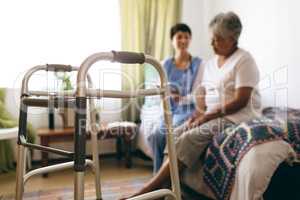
80	134
128	57
59	68
22	123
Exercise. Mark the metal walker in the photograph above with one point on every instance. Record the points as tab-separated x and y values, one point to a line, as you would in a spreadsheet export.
81	96
51	100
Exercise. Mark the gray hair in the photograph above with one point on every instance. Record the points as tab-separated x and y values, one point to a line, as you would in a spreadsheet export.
226	25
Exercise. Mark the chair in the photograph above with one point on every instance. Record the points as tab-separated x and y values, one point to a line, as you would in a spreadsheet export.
12	133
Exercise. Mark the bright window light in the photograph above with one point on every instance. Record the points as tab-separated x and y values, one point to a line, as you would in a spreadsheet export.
35	32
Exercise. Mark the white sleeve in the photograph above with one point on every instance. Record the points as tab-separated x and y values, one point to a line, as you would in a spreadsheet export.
247	74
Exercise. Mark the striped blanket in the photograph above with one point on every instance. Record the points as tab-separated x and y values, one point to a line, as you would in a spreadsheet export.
229	147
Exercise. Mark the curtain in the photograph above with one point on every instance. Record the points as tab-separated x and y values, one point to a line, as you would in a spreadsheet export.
145	26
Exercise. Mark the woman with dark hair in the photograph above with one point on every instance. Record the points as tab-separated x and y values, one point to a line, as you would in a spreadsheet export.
181	71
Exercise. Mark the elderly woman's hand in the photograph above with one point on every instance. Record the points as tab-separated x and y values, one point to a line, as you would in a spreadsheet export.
196	119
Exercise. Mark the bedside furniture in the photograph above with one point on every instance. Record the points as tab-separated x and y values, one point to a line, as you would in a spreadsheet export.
12	133
124	132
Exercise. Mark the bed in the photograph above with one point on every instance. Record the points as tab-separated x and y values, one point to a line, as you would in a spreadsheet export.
264	172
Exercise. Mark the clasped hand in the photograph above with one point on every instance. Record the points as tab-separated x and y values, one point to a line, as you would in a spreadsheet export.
196	119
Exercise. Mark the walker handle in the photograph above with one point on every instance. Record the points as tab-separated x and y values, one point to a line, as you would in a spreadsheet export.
128	57
59	68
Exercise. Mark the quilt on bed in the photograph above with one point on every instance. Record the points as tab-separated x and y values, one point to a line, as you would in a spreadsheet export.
228	148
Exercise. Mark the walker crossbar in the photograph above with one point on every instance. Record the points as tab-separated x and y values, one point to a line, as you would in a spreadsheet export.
55	102
156	195
46	149
65	93
121	94
82	93
53	168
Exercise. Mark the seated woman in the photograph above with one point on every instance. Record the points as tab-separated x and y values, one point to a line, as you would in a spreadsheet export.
181	70
228	96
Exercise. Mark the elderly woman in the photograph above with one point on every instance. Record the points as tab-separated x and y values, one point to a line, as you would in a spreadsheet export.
181	70
228	96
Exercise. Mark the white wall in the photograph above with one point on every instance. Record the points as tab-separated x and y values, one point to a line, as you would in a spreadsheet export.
38	32
271	34
66	32
193	14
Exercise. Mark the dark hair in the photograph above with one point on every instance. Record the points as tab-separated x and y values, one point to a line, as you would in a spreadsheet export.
179	27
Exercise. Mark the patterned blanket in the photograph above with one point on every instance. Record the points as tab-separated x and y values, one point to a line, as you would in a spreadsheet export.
229	147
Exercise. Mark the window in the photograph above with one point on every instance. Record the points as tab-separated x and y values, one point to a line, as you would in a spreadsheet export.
35	32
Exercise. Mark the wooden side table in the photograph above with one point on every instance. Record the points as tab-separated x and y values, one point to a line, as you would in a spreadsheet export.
124	132
48	135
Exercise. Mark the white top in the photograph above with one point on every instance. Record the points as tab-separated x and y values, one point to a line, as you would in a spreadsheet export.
220	83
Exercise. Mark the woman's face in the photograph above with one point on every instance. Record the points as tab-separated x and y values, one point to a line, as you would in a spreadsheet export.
222	46
181	41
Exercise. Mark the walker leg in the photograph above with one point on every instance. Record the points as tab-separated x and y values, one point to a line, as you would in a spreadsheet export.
79	186
79	147
21	154
174	173
96	165
28	160
21	167
25	160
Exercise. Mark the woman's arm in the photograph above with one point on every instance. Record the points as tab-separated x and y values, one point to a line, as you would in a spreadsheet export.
200	104
241	98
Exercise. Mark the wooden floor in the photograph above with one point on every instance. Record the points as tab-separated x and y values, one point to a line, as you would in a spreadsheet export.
111	169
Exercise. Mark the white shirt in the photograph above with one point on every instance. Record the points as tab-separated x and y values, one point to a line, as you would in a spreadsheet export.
220	83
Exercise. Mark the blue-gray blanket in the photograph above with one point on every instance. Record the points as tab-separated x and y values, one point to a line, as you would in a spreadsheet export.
228	148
